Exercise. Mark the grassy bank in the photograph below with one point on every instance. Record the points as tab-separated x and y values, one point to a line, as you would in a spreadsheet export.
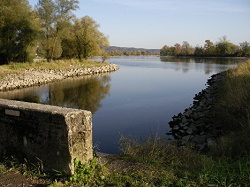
17	68
157	162
232	111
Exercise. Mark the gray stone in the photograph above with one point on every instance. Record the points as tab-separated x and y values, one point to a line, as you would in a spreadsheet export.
199	139
176	127
194	129
189	131
50	135
210	141
32	77
185	139
184	120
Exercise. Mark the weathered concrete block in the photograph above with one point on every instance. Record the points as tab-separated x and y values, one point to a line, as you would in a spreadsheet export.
49	135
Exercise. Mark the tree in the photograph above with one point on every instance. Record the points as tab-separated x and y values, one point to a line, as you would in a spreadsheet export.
186	49
225	48
164	51
198	51
245	49
105	56
88	39
55	16
177	47
18	31
209	48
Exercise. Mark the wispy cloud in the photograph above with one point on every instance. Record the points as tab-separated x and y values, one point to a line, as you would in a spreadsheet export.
184	5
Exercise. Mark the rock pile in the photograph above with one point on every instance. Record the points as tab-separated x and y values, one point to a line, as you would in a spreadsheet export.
195	125
34	77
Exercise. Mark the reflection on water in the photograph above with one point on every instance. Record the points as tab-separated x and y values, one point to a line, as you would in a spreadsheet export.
137	100
81	93
209	65
214	60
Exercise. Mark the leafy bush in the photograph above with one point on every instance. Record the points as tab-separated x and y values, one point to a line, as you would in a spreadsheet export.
91	173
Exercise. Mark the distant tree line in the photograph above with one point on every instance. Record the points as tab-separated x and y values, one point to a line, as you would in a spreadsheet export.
222	48
50	31
130	51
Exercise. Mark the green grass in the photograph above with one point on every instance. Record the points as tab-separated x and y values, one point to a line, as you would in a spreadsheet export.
17	68
167	165
232	111
233	106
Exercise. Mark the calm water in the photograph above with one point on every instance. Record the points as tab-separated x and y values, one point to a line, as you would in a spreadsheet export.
137	100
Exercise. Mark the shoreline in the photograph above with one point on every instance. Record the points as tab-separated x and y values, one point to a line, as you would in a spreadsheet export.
206	57
36	77
195	126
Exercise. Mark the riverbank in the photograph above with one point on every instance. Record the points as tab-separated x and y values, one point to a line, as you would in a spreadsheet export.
18	76
195	126
220	110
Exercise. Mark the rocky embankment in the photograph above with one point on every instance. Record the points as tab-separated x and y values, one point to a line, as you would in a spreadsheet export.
195	126
34	77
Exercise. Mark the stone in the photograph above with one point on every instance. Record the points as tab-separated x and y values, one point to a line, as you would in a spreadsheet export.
210	141
52	135
33	77
199	139
176	127
194	129
189	131
184	120
185	139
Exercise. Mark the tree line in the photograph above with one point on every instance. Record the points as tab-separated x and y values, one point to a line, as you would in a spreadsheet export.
50	30
130	51
222	48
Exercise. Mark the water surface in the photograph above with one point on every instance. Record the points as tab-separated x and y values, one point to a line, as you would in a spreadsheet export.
137	100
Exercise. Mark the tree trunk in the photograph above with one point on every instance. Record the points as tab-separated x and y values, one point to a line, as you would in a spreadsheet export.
54	46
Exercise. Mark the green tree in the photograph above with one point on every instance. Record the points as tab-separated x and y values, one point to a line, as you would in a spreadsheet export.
245	49
56	16
178	49
18	31
198	51
209	48
226	48
88	39
164	51
105	56
186	49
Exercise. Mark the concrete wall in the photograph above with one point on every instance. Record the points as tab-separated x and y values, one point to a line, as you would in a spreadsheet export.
49	135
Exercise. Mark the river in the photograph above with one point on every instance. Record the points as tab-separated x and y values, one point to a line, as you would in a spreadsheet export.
136	101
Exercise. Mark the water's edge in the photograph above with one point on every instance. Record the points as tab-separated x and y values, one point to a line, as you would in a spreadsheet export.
35	77
196	125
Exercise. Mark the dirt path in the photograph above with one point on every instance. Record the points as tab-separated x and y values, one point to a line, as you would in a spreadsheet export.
16	179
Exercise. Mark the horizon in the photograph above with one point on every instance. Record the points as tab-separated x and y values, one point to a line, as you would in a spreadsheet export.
152	24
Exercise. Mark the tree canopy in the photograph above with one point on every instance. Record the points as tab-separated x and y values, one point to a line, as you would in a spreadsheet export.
55	17
19	28
85	41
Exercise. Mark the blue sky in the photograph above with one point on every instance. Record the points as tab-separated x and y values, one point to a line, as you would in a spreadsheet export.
155	23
